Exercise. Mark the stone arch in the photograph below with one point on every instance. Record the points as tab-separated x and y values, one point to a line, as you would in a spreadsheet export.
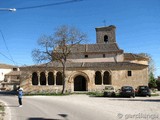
106	78
80	83
73	75
59	80
34	78
50	78
98	78
106	38
42	78
80	75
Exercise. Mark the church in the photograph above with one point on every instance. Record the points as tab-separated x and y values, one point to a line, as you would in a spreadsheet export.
90	67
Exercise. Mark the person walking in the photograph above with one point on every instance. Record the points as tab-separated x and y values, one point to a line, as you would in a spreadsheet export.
20	94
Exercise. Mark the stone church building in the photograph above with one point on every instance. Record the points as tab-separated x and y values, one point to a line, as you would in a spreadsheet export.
90	67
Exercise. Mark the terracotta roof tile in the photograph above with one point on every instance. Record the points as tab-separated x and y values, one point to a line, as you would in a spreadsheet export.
131	56
107	65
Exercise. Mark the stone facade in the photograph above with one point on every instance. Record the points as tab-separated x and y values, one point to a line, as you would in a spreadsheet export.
90	67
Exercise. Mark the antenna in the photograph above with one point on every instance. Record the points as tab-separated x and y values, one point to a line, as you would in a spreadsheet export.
104	22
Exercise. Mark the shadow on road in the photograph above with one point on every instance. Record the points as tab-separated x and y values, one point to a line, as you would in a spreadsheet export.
62	115
8	93
11	106
142	100
41	119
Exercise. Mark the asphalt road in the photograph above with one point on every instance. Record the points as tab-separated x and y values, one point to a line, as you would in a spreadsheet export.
82	107
53	108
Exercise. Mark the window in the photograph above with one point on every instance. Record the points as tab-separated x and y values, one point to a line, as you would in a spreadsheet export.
106	78
105	38
104	55
50	78
86	56
129	73
14	69
59	78
34	78
98	78
42	78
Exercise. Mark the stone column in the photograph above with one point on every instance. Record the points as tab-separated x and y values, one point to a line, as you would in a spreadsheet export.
46	74
54	75
38	74
102	73
94	76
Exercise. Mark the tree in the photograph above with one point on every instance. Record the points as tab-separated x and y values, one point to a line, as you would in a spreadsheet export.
158	83
152	81
151	70
151	67
58	47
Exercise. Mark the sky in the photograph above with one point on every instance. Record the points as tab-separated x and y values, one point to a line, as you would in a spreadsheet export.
137	25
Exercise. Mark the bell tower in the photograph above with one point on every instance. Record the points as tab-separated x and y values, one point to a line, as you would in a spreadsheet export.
106	34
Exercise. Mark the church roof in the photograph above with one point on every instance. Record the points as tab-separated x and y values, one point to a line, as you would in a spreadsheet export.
96	48
91	65
131	56
6	66
106	28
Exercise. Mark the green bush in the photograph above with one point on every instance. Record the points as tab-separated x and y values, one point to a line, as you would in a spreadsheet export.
45	94
1	107
152	81
158	84
95	94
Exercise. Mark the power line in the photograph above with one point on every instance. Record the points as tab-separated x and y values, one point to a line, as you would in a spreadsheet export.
46	5
11	58
6	56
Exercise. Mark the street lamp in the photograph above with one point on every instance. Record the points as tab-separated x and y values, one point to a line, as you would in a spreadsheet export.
8	9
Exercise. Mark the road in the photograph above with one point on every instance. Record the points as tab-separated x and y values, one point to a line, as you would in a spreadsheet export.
82	107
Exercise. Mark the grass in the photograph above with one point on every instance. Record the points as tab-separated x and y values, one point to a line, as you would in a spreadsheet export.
1	107
45	94
155	94
95	94
1	111
92	94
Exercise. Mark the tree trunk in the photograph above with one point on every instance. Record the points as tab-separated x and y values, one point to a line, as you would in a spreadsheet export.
64	78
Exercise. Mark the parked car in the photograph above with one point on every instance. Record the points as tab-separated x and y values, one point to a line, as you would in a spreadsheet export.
109	91
127	91
143	91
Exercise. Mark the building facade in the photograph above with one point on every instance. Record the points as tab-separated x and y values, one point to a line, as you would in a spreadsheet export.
9	77
90	67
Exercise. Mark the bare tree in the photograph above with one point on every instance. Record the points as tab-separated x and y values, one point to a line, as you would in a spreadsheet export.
151	68
58	47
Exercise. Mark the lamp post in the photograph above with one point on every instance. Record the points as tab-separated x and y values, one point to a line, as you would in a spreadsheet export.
8	9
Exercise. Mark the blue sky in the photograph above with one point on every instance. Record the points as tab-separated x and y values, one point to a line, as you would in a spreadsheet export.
137	23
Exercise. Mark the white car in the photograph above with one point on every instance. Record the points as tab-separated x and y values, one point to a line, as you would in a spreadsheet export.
109	91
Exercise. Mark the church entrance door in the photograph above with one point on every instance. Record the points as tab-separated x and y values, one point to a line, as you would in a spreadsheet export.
79	83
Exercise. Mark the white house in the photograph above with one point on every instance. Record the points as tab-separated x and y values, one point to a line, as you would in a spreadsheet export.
5	69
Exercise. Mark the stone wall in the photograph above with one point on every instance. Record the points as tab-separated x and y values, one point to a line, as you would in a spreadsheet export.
121	78
118	78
